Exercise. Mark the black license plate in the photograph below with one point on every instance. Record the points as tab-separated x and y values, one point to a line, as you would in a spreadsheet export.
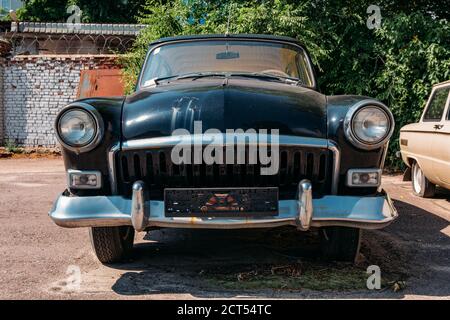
221	202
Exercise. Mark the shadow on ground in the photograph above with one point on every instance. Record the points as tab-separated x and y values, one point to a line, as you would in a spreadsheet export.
264	263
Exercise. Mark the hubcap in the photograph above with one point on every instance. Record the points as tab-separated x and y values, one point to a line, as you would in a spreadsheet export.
418	178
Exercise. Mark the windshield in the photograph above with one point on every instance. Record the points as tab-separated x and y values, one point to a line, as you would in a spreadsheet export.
228	57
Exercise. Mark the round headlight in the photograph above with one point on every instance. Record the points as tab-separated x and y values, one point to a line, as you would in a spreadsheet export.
368	125
371	125
77	127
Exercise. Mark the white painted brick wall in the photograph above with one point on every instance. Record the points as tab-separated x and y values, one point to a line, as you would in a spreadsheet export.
2	63
35	89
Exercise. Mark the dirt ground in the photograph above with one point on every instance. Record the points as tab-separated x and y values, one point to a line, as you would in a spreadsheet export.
39	258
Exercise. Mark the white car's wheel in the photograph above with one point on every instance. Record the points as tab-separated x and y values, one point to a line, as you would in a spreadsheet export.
422	187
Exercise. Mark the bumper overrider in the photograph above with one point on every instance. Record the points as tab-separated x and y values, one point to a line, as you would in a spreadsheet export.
304	212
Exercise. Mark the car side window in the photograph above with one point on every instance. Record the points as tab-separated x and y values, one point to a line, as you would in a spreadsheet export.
437	105
448	112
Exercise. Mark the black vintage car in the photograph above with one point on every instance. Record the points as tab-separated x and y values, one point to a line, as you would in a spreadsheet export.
225	131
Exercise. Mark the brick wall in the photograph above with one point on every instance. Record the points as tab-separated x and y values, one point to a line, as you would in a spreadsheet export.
2	63
35	88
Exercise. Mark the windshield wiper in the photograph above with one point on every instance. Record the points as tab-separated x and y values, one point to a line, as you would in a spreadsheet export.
287	80
198	75
156	81
193	75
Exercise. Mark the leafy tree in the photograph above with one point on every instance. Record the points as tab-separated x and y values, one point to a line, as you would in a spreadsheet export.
3	14
43	10
415	54
107	11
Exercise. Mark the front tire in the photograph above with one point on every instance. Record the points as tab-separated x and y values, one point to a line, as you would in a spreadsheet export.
340	243
111	244
422	187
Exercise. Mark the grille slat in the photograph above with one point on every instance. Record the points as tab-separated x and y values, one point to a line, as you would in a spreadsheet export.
309	164
297	164
137	167
157	170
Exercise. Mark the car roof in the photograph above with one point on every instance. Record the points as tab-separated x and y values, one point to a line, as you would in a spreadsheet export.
441	83
228	36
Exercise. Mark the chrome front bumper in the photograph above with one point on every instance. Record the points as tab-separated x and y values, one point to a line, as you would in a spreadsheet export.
101	211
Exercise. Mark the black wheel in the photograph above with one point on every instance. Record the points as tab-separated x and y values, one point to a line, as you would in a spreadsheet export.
422	187
111	244
340	243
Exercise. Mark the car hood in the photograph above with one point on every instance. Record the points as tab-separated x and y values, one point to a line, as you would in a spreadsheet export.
224	104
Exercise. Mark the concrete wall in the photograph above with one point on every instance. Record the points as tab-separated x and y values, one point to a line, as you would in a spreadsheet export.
35	88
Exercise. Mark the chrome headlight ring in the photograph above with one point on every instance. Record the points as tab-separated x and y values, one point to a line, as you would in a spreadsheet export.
349	127
99	127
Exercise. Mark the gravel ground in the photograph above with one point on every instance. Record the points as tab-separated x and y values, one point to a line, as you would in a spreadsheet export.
38	257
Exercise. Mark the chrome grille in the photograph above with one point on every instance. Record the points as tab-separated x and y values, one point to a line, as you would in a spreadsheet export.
154	166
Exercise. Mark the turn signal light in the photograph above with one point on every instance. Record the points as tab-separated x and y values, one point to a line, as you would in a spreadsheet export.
77	179
364	177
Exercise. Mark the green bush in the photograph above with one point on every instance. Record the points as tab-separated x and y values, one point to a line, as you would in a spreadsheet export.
397	63
11	146
415	52
99	11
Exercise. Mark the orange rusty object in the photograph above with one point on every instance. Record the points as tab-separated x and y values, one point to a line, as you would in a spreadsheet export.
100	83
